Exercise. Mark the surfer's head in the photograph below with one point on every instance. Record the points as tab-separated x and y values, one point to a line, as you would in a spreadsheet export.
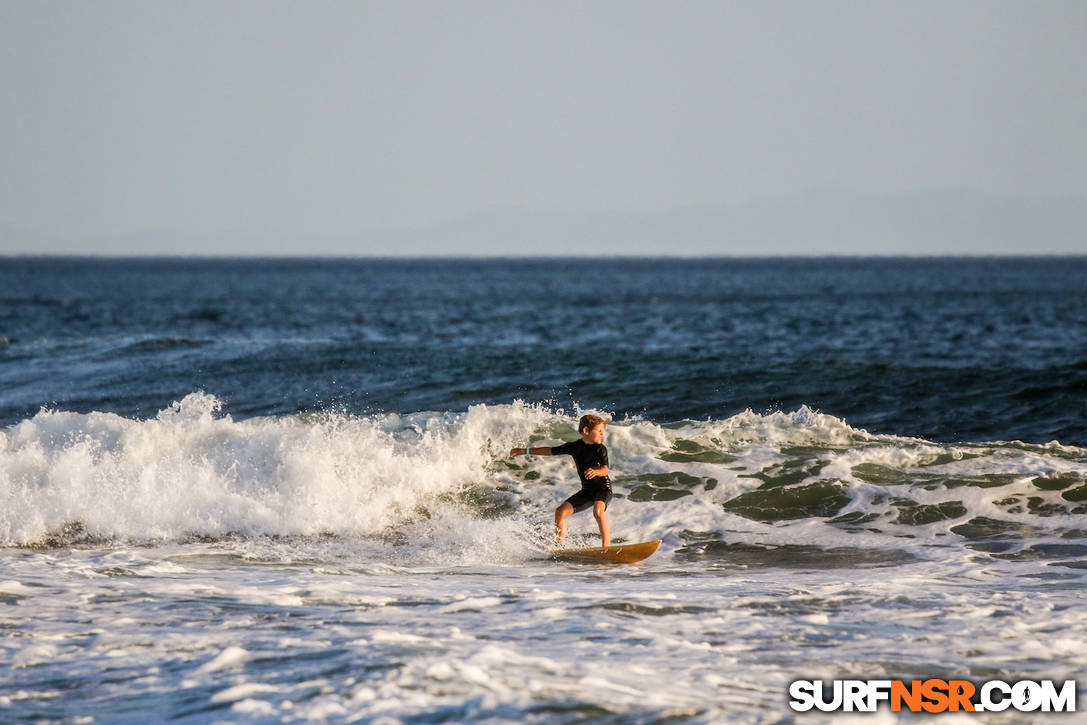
591	428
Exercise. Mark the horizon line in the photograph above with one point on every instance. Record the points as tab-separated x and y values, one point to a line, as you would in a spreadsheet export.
136	256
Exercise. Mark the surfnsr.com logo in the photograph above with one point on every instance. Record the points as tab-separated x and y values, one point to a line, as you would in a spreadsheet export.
933	696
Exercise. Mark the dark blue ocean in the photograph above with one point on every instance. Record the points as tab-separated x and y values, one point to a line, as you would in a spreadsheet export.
944	349
281	490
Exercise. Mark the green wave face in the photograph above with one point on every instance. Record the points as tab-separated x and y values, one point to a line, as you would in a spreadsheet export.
808	489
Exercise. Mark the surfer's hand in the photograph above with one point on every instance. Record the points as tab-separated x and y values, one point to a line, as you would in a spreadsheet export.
517	452
590	473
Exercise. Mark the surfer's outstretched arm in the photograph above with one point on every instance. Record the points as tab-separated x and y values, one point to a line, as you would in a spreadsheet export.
541	451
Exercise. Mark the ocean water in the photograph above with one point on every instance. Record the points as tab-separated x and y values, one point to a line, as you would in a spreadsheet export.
279	490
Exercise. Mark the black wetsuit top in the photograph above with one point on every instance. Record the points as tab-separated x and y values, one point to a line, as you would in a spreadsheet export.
586	456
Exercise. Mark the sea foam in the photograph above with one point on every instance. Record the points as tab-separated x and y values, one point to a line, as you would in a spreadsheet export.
191	471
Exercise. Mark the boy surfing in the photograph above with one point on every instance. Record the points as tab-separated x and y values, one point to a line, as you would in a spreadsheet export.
591	458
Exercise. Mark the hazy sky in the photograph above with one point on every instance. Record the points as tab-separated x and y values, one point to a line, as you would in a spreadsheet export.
316	118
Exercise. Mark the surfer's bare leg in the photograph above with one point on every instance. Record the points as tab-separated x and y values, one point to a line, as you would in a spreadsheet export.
561	514
600	514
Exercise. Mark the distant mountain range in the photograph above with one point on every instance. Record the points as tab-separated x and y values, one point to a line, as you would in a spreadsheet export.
818	222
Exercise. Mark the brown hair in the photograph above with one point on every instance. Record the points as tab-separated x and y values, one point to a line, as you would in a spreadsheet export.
590	422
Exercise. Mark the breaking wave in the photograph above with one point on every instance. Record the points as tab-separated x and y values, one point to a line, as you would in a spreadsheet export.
749	487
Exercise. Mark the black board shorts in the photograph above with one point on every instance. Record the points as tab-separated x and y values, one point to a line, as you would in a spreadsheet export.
586	497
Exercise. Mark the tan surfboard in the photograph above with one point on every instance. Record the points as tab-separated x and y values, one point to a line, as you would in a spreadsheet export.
619	553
